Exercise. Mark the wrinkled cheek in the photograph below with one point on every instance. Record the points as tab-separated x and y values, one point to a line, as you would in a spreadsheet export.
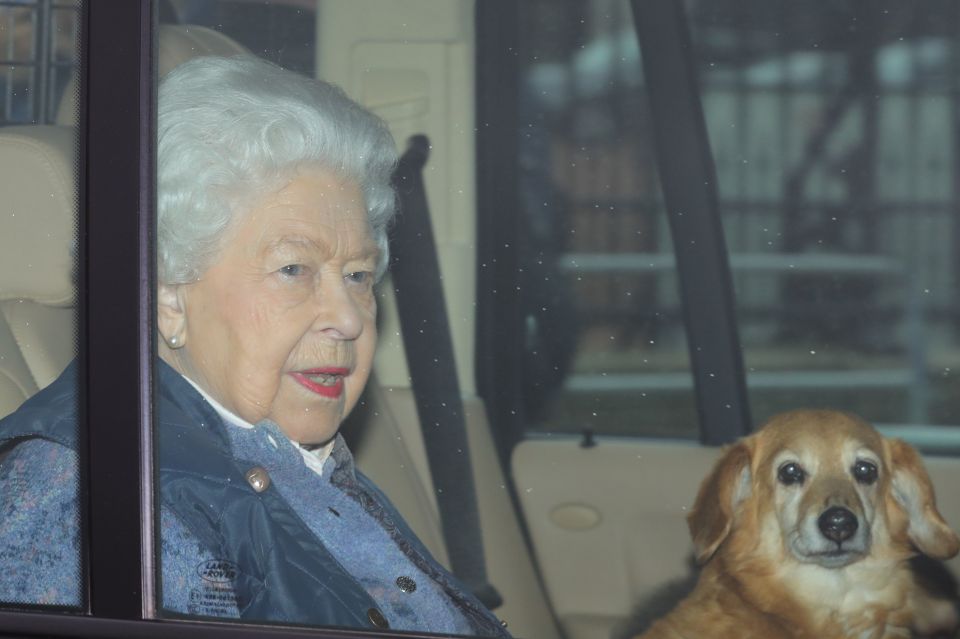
257	393
258	369
272	336
353	391
262	315
366	345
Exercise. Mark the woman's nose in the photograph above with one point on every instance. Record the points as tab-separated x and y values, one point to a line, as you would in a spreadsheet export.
339	315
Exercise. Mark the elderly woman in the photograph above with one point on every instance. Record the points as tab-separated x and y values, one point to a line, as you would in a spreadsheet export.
274	201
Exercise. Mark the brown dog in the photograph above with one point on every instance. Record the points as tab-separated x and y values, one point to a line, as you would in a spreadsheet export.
806	528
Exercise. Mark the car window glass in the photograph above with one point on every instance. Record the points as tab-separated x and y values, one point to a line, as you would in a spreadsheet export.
833	132
266	339
39	176
604	343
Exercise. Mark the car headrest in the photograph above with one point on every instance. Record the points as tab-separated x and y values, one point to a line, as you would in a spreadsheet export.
177	43
38	182
182	42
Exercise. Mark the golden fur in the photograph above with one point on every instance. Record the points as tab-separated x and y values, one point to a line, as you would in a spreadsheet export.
769	568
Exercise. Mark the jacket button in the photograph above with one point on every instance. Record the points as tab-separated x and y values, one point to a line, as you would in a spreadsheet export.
258	478
377	619
406	584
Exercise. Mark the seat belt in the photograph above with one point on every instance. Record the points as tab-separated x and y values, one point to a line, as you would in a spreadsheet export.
415	271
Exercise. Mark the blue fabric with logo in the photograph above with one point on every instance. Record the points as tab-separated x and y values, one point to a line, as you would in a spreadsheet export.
309	549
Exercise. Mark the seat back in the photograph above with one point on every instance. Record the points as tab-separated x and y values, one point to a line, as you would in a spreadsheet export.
177	44
37	292
38	180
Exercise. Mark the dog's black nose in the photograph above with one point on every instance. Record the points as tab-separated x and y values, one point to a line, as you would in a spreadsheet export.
838	524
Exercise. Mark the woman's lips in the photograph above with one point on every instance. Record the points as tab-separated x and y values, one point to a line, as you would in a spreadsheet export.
326	382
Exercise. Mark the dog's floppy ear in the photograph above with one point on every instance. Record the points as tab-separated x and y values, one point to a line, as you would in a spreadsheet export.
912	490
727	485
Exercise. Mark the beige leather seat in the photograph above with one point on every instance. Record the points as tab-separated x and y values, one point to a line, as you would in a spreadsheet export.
38	182
182	42
177	43
37	294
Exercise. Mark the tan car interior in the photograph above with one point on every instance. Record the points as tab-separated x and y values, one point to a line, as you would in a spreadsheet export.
37	334
606	523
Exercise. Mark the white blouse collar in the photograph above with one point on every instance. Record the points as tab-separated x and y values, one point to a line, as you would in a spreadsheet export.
313	458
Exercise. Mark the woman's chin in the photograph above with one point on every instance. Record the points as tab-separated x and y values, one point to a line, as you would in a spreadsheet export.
310	427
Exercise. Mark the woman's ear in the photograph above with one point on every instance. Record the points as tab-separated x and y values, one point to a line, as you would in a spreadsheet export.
171	315
912	490
723	490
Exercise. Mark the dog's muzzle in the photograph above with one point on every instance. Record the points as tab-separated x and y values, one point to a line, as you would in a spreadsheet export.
832	539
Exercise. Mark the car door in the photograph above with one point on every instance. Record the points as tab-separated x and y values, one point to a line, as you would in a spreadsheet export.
744	210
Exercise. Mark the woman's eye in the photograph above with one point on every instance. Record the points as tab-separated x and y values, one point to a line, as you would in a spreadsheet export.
865	472
791	473
360	277
293	270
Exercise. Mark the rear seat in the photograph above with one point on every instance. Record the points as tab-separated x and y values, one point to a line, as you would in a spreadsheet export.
177	43
37	315
37	178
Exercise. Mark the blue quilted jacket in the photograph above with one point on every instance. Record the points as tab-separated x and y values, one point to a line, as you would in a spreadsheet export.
262	552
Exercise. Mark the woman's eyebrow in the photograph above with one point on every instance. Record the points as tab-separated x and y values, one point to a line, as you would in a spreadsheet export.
295	241
369	250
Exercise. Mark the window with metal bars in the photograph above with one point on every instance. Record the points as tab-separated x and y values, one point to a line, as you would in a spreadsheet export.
38	55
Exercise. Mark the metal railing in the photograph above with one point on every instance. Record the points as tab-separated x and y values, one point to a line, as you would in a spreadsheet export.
38	52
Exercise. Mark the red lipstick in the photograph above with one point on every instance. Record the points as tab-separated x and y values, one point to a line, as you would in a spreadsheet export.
331	386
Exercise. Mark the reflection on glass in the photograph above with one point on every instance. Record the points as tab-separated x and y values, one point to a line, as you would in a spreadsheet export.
39	517
835	153
274	198
606	348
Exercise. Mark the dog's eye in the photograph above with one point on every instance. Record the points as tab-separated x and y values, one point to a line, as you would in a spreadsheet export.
865	472
791	473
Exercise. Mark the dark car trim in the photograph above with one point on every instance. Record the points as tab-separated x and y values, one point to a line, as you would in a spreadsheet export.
689	183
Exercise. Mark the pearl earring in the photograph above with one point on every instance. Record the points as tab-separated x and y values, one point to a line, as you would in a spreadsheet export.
173	340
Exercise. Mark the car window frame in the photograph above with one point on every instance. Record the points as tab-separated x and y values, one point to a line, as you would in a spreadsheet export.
499	310
116	344
689	182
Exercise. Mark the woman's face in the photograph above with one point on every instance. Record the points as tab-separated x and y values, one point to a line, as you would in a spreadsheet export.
282	325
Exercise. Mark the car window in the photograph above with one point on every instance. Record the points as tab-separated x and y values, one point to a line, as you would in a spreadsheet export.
836	191
833	138
603	345
40	173
274	196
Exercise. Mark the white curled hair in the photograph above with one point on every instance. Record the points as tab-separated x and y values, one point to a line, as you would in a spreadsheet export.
230	130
